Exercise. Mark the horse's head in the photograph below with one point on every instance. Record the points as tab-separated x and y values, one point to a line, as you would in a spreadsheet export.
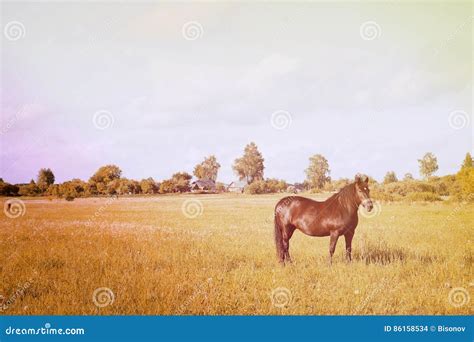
363	192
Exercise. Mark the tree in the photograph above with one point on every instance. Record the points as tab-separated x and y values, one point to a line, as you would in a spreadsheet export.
317	174
45	179
126	186
408	177
166	186
149	186
30	189
181	181
428	165
106	174
465	179
72	189
467	163
208	169
7	189
250	166
102	178
390	177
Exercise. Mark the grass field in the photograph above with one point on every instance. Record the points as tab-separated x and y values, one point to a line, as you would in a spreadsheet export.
216	255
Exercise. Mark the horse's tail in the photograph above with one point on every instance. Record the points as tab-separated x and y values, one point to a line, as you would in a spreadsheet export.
279	237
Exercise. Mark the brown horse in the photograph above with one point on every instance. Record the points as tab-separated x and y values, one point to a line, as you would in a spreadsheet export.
334	217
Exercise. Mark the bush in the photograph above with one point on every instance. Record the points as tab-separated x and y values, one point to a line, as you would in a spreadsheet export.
70	198
444	186
412	190
405	188
267	186
257	187
422	197
380	195
221	187
30	189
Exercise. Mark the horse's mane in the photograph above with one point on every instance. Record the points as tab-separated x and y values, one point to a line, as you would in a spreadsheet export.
345	196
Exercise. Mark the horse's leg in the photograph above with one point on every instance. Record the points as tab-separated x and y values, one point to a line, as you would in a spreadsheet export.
288	233
332	244
348	236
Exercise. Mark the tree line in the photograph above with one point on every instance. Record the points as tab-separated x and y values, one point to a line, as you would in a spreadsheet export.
249	168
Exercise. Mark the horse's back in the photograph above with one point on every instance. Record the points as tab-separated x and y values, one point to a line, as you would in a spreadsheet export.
290	205
292	200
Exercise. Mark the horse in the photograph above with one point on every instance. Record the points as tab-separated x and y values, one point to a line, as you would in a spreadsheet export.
333	217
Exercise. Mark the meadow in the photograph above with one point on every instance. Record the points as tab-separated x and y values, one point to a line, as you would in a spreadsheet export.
215	254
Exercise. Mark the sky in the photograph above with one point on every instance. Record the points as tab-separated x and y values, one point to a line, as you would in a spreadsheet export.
156	87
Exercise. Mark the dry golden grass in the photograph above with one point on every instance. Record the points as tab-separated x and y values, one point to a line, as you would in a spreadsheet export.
158	261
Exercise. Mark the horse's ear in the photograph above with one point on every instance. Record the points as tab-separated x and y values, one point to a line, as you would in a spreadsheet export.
359	178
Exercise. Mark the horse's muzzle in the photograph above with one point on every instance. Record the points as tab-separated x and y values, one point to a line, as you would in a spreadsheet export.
368	205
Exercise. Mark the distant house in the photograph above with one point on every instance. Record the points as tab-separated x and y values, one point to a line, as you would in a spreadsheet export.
237	186
202	185
295	189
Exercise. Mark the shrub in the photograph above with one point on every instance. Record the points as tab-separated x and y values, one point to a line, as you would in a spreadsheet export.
422	197
70	198
257	187
267	186
405	188
221	187
445	185
382	196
